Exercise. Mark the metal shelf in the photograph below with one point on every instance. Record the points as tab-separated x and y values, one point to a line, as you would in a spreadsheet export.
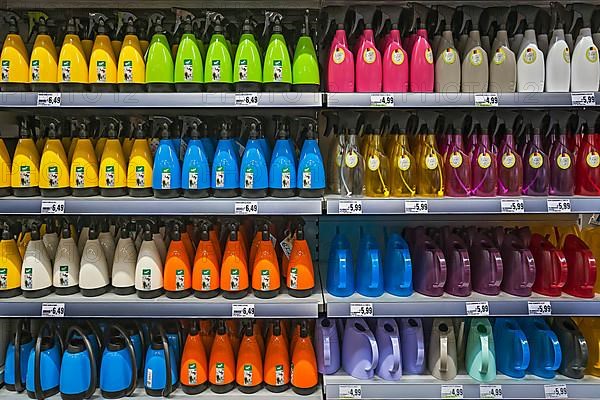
467	205
427	387
164	100
449	100
151	206
418	305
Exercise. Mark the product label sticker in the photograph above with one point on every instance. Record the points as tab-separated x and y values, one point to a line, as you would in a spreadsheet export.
592	54
220	177
193	178
220	372
188	70
206	279
476	57
66	71
35	70
351	158
429	55
146	279
25	175
139	176
243	70
338	55
277	70
398	57
404	163
536	160
192	374
373	163
216	70
63	275
53	176
279	375
5	70
79	176
306	178
149	377
249	178
293	278
431	161
529	55
265	280
101	71
567	55
456	159
449	55
508	160
484	160
247	375
128	71
370	55
165	180
286	178
499	56
179	279
593	159
234	279
3	278
110	175
563	161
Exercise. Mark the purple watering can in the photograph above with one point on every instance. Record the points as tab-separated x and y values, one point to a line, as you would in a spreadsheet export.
387	334
429	264
327	346
412	343
486	262
458	264
519	265
360	354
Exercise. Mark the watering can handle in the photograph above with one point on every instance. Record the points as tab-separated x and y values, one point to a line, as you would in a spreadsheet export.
581	349
88	345
465	278
444	353
420	348
560	271
407	270
497	270
440	268
485	354
131	352
528	269
395	354
374	350
375	271
554	346
37	379
522	343
343	270
17	359
589	276
326	351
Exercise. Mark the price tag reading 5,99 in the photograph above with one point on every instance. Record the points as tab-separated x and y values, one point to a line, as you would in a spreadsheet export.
361	309
477	308
512	206
539	308
559	205
416	207
350	207
556	391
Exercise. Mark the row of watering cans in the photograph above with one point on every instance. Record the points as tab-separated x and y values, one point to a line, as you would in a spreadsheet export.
464	49
458	260
445	347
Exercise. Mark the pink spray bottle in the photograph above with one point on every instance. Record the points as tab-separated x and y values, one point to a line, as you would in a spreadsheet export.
457	165
395	60
421	61
368	58
340	64
483	165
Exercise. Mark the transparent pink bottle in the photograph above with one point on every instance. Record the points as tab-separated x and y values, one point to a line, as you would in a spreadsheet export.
368	64
536	171
340	67
421	63
484	177
562	165
510	167
395	63
457	166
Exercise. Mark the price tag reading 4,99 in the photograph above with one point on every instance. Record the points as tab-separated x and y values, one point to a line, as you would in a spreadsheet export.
477	308
350	207
486	99
382	100
490	391
452	392
361	309
416	207
559	205
246	99
556	391
539	308
350	392
246	207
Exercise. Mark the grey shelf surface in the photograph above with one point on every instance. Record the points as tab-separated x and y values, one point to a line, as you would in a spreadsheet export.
111	305
450	100
427	387
151	206
418	305
164	100
466	205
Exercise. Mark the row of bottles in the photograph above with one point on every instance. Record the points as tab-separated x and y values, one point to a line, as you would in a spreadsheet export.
164	158
540	259
480	153
464	49
446	347
77	358
204	257
111	54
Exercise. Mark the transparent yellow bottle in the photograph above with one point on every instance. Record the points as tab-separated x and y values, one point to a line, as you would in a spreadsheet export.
430	181
377	171
403	169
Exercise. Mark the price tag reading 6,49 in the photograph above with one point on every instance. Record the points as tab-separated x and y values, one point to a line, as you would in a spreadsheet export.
53	309
246	99
49	99
246	207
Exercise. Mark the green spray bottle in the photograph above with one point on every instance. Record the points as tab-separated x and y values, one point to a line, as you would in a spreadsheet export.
247	70
277	69
189	66
218	71
159	61
306	65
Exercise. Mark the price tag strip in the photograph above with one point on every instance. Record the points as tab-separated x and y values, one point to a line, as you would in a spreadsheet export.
382	100
477	308
246	207
486	99
490	391
49	99
559	205
53	309
350	207
416	207
350	392
583	99
539	308
242	310
246	99
556	392
361	309
512	206
53	207
452	392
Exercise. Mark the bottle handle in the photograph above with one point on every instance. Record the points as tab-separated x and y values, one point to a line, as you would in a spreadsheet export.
581	349
528	268
443	353
497	270
406	269
465	278
17	358
93	372
395	354
523	345
131	352
554	346
37	378
326	351
343	268
485	354
374	271
374	350
439	270
420	347
559	269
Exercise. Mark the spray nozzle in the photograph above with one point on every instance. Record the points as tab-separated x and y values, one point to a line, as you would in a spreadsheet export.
275	18
528	14
332	122
582	15
98	19
399	122
162	126
335	18
470	14
215	18
310	127
444	18
12	19
370	17
282	127
37	19
417	16
253	125
128	19
192	126
183	16
51	126
156	20
561	17
304	331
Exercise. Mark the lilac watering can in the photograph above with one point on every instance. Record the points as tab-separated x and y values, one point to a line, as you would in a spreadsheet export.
486	262
387	334
360	354
327	346
429	264
412	344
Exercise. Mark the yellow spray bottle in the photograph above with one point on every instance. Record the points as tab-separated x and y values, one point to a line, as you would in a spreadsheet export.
377	171
72	72
403	168
43	62
113	166
84	167
430	181
14	59
139	170
10	265
103	63
26	164
87	43
54	165
5	170
131	68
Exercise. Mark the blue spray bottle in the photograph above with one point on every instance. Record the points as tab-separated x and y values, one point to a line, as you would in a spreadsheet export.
340	267
195	174
254	174
282	171
166	174
208	143
311	171
369	271
225	179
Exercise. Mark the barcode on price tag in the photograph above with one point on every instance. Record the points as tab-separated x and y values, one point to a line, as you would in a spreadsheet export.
559	205
350	392
452	392
539	308
361	309
53	207
512	206
350	207
490	391
242	310
49	99
477	308
382	100
53	309
486	99
556	392
416	207
246	99
583	99
246	207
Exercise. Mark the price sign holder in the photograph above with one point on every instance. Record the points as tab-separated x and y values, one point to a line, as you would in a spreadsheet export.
350	392
556	391
49	99
486	99
350	207
246	207
512	206
583	99
361	309
539	308
490	391
382	100
559	205
416	207
53	309
53	207
242	310
452	392
246	99
477	308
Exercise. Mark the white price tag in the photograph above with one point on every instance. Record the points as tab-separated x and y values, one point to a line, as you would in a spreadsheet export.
53	309
486	99
512	206
361	309
559	205
246	99
583	99
416	207
477	308
246	207
556	391
350	207
539	308
490	391
382	100
49	99
452	392
53	207
350	392
242	310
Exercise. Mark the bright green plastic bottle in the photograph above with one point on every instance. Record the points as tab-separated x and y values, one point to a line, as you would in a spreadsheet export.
218	70
305	66
247	69
159	61
189	66
277	70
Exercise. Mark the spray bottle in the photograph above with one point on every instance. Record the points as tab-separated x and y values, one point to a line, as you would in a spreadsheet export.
421	54
189	66
305	66
234	268
14	59
536	171
195	173
300	276
368	58
225	167
282	170
508	159
447	59
43	62
457	164
72	73
277	68
588	155
562	165
503	65
429	161
159	60
247	67
131	69
139	168
311	171
403	169
530	59
377	173
254	172
475	65
352	172
395	62
103	63
585	65
11	265
25	167
483	165
166	173
54	165
84	166
113	166
340	64
334	152
558	59
219	76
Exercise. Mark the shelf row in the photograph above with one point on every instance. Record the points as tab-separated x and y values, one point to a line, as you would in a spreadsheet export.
294	100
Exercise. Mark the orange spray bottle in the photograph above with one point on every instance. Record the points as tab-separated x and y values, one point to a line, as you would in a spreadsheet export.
249	371
207	333
194	365
234	268
178	272
277	361
266	279
206	272
221	366
304	375
300	277
233	330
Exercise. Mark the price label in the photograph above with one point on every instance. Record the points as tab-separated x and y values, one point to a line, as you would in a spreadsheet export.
556	391
361	309
416	207
382	100
477	308
350	207
512	206
539	308
53	309
452	392
486	99
53	207
490	391
242	310
246	207
350	392
559	205
49	99
583	99
246	99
